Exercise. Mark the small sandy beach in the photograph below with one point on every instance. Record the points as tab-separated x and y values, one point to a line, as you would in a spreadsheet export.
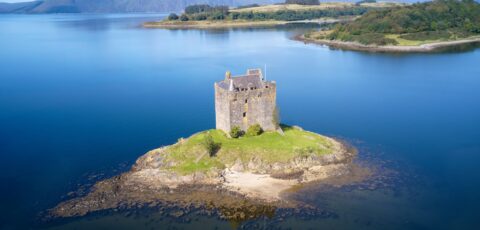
259	186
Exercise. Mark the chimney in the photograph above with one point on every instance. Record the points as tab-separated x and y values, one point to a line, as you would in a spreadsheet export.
231	85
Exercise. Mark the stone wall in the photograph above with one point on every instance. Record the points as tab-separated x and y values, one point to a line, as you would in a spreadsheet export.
222	109
245	108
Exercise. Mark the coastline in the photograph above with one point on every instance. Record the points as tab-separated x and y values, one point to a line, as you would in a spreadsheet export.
270	187
212	24
237	186
424	48
207	24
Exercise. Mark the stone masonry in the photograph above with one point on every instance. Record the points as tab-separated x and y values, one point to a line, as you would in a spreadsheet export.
244	101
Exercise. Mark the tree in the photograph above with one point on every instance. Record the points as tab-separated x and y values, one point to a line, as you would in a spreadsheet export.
236	132
200	17
303	2
433	20
218	15
365	1
183	17
173	16
235	15
204	8
199	8
254	130
209	144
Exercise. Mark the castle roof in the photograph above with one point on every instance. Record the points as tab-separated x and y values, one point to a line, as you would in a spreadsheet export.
252	79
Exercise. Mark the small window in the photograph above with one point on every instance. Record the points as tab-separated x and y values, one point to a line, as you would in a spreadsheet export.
266	86
246	101
244	114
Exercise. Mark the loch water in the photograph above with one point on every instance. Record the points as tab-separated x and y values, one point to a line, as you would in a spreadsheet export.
82	96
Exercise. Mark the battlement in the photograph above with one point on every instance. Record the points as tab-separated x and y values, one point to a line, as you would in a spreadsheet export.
245	100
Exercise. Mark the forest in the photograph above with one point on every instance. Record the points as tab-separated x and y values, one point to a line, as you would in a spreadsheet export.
206	12
436	20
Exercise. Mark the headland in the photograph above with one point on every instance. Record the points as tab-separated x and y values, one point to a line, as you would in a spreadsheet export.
216	17
423	27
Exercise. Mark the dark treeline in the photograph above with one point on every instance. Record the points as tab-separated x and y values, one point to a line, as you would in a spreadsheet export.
206	12
248	6
303	2
366	1
440	19
204	8
292	15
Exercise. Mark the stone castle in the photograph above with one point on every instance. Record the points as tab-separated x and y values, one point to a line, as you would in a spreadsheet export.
244	101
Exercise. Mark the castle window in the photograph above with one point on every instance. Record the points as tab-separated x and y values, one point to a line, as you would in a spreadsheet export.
244	114
246	101
251	88
266	86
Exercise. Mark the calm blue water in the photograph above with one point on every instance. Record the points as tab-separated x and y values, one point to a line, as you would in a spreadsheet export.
83	95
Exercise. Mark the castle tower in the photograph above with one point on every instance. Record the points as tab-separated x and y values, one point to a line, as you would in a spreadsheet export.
244	101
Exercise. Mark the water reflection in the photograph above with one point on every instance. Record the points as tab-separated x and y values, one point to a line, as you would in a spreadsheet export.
468	47
104	22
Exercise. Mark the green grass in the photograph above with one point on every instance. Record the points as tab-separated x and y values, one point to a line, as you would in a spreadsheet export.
406	42
189	156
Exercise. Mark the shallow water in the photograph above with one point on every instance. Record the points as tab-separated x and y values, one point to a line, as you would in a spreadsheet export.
82	96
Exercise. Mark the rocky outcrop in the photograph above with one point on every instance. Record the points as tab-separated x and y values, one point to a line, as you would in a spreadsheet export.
340	155
155	160
150	182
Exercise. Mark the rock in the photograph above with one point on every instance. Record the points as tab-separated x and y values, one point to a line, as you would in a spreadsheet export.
238	166
177	214
150	183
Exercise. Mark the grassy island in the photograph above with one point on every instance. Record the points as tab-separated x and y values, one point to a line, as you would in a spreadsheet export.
416	27
189	155
251	171
206	16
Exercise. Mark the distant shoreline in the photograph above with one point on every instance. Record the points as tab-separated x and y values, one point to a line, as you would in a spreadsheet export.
424	48
208	24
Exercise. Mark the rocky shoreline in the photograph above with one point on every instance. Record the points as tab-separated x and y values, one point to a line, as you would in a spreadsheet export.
425	48
244	187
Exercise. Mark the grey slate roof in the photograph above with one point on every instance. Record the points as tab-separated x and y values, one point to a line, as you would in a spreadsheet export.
253	78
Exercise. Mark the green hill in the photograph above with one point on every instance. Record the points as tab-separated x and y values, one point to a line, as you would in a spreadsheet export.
439	20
